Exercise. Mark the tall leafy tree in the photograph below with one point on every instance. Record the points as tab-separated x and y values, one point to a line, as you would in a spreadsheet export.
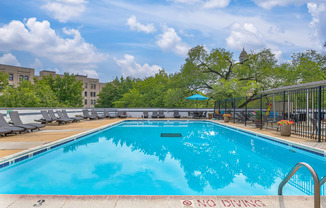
3	80
23	95
114	91
146	93
67	89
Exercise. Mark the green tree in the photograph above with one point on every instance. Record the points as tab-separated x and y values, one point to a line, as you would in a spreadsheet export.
149	92
67	89
44	92
114	91
308	66
23	95
3	80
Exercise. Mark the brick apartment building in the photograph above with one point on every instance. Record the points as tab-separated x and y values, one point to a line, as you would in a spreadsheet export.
91	86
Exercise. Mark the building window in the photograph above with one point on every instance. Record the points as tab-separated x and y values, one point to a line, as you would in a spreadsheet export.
93	86
21	77
94	94
26	77
85	85
85	101
85	94
11	77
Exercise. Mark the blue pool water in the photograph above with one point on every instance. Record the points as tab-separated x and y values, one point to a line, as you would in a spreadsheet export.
131	158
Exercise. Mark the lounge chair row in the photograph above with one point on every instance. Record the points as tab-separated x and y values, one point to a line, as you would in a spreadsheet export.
160	114
16	125
94	115
62	118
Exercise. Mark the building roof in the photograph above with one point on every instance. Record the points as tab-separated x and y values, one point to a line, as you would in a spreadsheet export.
295	87
243	53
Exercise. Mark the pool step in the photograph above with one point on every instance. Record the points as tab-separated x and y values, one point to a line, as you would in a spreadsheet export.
70	201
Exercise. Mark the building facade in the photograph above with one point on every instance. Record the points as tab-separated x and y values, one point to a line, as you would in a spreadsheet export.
92	87
17	74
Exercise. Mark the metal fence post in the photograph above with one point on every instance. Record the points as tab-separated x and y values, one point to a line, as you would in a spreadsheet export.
233	110
219	109
283	112
261	111
319	114
225	106
246	111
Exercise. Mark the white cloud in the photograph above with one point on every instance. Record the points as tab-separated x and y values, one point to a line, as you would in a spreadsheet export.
65	10
37	64
216	4
248	36
91	73
268	4
9	59
134	25
185	1
73	54
318	23
207	4
170	41
129	67
244	35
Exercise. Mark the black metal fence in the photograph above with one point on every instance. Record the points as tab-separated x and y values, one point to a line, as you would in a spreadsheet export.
305	107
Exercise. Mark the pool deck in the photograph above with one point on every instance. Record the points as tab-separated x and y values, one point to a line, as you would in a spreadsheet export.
16	143
54	201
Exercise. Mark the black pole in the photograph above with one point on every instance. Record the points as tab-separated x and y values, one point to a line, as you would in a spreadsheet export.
219	109
283	112
261	111
246	111
233	110
225	107
319	114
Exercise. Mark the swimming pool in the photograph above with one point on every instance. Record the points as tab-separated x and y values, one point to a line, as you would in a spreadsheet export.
164	158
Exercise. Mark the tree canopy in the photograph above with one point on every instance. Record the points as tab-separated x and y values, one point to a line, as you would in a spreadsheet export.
214	74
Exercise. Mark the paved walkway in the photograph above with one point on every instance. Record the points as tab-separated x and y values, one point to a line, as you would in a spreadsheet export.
55	201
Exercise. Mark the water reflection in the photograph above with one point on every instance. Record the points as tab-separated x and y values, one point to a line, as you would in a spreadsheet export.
214	156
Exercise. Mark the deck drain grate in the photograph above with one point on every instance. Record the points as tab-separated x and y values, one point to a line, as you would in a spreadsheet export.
171	135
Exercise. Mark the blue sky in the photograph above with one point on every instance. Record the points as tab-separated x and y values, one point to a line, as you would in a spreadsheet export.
108	38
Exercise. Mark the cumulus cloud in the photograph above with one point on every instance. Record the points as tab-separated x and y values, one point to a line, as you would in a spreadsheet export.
169	40
73	54
134	25
207	4
244	34
268	4
318	23
9	59
129	67
91	73
216	4
65	10
247	35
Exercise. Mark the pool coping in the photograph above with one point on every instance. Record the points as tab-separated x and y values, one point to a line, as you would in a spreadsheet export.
34	151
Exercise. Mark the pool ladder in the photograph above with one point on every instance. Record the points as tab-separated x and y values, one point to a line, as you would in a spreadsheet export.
317	183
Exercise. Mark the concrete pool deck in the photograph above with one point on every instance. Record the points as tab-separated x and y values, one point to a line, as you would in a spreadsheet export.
55	201
22	142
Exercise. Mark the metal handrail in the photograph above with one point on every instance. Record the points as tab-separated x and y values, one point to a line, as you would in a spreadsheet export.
314	176
322	181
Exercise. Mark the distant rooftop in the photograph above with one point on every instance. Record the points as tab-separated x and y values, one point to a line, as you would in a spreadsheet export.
295	87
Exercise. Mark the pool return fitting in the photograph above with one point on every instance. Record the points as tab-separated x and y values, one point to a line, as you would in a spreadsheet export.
317	183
